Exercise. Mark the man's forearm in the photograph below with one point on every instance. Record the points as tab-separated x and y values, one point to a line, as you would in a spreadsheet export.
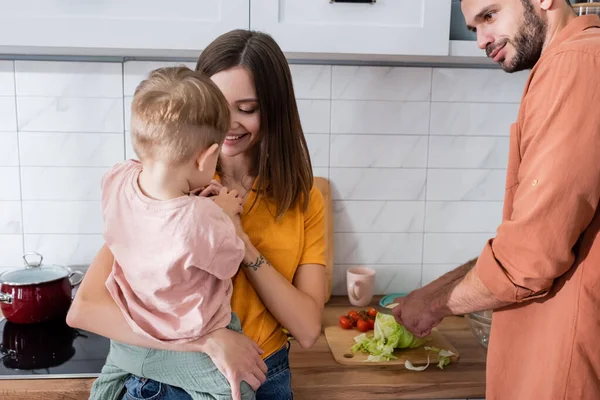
464	295
451	277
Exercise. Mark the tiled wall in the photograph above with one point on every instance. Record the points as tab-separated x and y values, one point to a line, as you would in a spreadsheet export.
416	158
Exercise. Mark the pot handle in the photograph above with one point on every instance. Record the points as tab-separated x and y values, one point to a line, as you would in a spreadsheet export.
77	281
6	298
32	264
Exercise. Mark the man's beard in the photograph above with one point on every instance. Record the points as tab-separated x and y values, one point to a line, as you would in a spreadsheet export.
528	41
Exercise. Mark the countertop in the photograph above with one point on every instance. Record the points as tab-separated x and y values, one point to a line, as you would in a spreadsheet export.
316	375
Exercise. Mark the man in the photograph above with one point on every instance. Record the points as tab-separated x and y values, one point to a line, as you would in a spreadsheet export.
541	273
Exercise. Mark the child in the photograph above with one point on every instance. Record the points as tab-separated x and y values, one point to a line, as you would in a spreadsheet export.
175	253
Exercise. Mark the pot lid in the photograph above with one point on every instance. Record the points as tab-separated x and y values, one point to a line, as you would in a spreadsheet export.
34	272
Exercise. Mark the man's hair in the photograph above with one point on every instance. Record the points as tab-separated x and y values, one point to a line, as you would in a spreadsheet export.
175	113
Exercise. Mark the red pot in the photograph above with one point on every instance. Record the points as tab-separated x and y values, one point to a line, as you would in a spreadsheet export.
37	293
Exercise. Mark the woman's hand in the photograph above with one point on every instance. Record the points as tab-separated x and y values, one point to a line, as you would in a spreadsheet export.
237	357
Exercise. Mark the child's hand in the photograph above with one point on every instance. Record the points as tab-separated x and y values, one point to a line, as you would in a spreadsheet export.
230	202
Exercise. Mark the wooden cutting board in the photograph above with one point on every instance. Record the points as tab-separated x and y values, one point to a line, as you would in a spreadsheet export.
341	341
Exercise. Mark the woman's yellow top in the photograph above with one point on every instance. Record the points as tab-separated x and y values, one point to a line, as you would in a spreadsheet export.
295	239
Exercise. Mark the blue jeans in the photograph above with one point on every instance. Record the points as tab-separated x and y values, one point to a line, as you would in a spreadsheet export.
278	385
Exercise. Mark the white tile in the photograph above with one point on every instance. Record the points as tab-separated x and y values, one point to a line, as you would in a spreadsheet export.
433	271
321	172
477	119
311	81
56	114
379	151
381	83
446	248
8	114
10	217
69	79
137	71
377	183
380	117
378	216
318	147
10	183
65	249
468	152
127	100
11	251
71	149
466	184
402	278
9	149
58	183
378	248
62	217
314	115
491	85
129	153
7	78
462	216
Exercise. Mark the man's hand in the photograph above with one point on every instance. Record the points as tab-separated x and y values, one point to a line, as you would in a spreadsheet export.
415	313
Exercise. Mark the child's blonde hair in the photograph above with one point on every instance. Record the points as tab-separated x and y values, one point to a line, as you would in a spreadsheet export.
175	113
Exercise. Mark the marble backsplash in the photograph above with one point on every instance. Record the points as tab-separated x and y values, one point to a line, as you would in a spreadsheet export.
416	158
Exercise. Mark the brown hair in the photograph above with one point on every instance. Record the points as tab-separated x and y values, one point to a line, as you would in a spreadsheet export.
175	113
281	161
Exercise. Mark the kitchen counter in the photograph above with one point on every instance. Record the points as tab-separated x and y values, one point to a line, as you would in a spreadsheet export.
316	375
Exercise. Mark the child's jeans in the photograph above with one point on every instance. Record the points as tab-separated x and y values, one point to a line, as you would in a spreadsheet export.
278	385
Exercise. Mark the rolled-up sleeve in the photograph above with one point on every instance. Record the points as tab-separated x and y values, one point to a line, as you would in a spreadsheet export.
559	181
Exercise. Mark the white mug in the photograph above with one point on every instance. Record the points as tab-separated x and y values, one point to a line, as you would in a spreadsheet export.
361	285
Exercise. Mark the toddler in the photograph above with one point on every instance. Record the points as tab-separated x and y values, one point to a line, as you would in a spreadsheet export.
175	253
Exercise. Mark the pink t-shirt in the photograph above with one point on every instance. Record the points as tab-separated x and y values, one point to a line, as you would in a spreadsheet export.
174	259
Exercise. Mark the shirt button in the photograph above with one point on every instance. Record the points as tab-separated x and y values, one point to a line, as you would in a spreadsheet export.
534	183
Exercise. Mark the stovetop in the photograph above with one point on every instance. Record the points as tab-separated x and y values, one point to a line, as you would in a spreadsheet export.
50	350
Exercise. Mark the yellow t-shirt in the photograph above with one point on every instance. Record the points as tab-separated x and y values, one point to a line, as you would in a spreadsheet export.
297	238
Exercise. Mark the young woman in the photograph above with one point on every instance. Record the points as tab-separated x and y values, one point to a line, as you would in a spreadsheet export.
265	159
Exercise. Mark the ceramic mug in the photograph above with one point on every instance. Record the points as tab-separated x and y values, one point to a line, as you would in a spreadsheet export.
360	285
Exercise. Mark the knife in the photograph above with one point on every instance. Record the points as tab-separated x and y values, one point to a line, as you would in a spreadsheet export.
387	309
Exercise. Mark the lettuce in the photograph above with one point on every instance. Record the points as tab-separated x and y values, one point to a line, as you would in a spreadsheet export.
388	336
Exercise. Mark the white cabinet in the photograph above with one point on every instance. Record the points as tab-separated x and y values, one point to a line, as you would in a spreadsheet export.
397	27
119	24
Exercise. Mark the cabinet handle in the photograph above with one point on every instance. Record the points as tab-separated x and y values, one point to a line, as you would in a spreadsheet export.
354	1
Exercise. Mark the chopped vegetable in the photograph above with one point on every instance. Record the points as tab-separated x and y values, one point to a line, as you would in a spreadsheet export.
388	336
410	366
444	356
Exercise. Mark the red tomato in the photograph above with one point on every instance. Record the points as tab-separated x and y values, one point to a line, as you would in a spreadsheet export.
372	312
345	322
362	325
371	323
354	315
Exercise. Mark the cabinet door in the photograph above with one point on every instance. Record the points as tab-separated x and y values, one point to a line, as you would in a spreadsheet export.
400	27
120	24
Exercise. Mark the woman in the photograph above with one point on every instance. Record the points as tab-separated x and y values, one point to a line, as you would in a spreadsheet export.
264	158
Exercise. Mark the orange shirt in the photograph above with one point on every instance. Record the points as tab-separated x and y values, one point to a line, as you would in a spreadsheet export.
546	255
297	238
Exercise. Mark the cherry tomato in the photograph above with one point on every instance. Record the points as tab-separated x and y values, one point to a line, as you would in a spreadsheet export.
362	325
371	323
345	322
354	315
372	312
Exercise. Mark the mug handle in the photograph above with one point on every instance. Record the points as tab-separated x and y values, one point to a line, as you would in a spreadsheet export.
77	281
355	290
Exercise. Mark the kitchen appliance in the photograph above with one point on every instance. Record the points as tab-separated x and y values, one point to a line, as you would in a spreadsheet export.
38	292
48	350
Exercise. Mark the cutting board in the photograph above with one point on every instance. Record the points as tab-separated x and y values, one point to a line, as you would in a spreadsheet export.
341	341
